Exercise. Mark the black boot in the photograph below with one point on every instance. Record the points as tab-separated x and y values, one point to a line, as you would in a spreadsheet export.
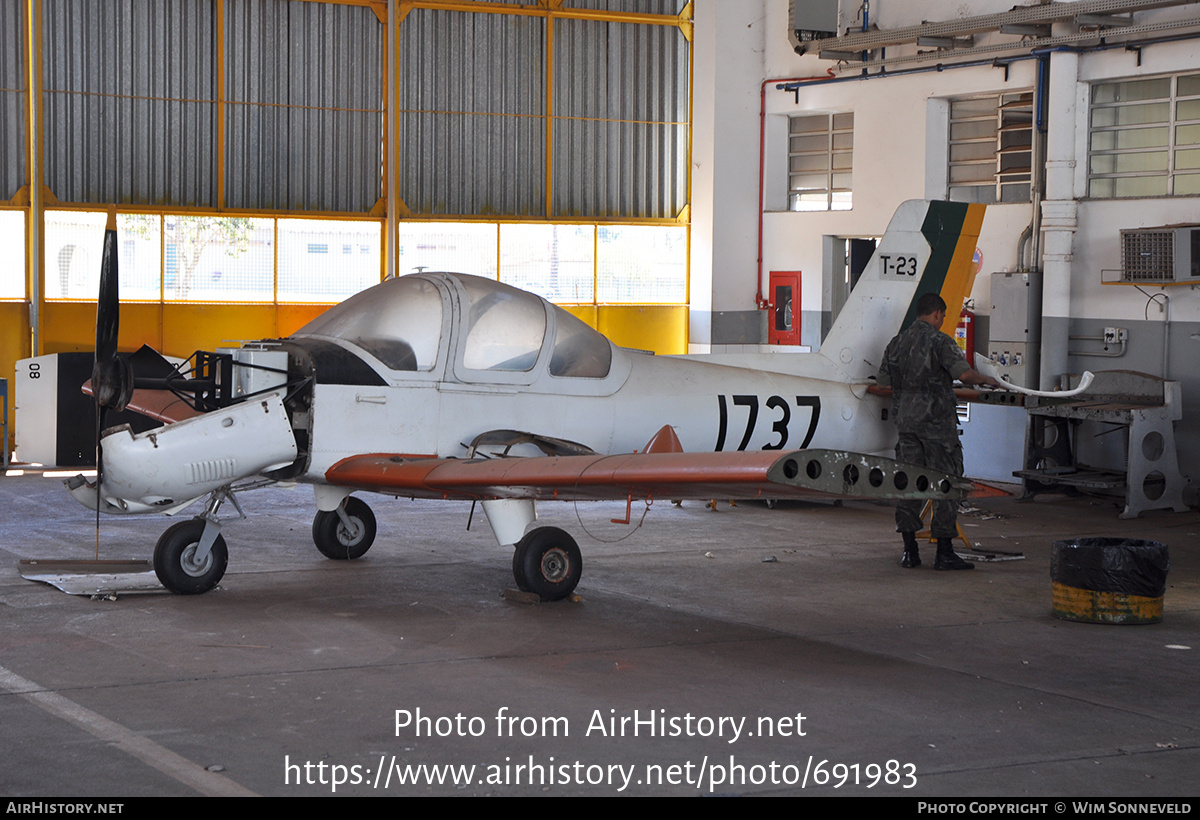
947	558
912	555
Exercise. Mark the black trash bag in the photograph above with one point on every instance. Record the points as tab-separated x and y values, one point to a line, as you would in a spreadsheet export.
1123	565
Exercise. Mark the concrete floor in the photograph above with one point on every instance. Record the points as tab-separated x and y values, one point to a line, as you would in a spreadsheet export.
954	684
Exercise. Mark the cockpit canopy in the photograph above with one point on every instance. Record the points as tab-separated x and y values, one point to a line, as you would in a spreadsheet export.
398	322
405	322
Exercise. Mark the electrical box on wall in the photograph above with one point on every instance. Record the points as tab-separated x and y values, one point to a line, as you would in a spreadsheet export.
811	20
1015	328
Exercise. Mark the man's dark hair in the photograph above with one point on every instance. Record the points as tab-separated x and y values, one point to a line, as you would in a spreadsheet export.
928	303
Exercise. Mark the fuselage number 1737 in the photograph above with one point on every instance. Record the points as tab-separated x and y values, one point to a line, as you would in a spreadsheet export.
776	405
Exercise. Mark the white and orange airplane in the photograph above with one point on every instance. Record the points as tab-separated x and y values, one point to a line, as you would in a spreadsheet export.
443	385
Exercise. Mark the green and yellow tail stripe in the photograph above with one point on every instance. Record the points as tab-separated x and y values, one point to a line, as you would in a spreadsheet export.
952	231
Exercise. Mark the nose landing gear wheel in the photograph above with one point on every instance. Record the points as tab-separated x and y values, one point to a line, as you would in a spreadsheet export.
547	562
175	561
336	540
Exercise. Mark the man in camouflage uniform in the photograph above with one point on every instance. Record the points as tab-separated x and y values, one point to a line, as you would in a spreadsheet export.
921	365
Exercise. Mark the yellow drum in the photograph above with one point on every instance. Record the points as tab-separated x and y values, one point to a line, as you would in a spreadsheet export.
1109	580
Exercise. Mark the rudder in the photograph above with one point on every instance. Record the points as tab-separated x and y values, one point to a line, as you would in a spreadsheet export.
928	247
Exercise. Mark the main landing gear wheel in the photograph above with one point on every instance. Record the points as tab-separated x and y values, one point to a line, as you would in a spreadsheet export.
547	562
175	561
519	563
336	540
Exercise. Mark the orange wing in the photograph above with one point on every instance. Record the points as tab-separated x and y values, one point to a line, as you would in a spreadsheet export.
756	474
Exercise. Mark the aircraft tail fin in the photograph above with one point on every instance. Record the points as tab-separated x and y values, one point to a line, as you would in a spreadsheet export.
929	247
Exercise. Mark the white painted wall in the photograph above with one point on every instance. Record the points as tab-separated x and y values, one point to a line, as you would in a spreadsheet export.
742	43
899	153
728	71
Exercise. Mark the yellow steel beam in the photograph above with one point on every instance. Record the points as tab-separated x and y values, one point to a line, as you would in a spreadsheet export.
377	212
371	4
274	274
546	10
220	100
220	103
522	116
537	220
549	113
379	7
385	207
206	210
685	21
36	237
162	280
685	215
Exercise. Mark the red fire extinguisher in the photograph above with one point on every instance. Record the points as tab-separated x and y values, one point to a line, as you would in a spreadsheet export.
964	334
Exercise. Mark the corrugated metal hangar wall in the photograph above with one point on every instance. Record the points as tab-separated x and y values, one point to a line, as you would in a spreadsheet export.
567	111
146	104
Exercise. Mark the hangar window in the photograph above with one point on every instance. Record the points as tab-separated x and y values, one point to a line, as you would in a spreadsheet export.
169	257
641	263
458	247
820	162
305	277
1144	137
75	243
991	145
190	258
564	263
218	259
557	262
12	239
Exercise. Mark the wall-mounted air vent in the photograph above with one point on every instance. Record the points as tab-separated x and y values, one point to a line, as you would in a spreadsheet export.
1161	255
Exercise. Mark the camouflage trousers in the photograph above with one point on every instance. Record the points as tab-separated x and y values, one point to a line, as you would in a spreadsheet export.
945	456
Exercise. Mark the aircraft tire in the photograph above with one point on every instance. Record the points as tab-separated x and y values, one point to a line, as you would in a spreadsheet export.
174	562
335	541
518	562
550	563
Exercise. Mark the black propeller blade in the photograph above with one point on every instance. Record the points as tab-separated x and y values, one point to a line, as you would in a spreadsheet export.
112	378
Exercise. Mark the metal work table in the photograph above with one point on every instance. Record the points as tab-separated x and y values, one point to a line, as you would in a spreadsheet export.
1141	408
